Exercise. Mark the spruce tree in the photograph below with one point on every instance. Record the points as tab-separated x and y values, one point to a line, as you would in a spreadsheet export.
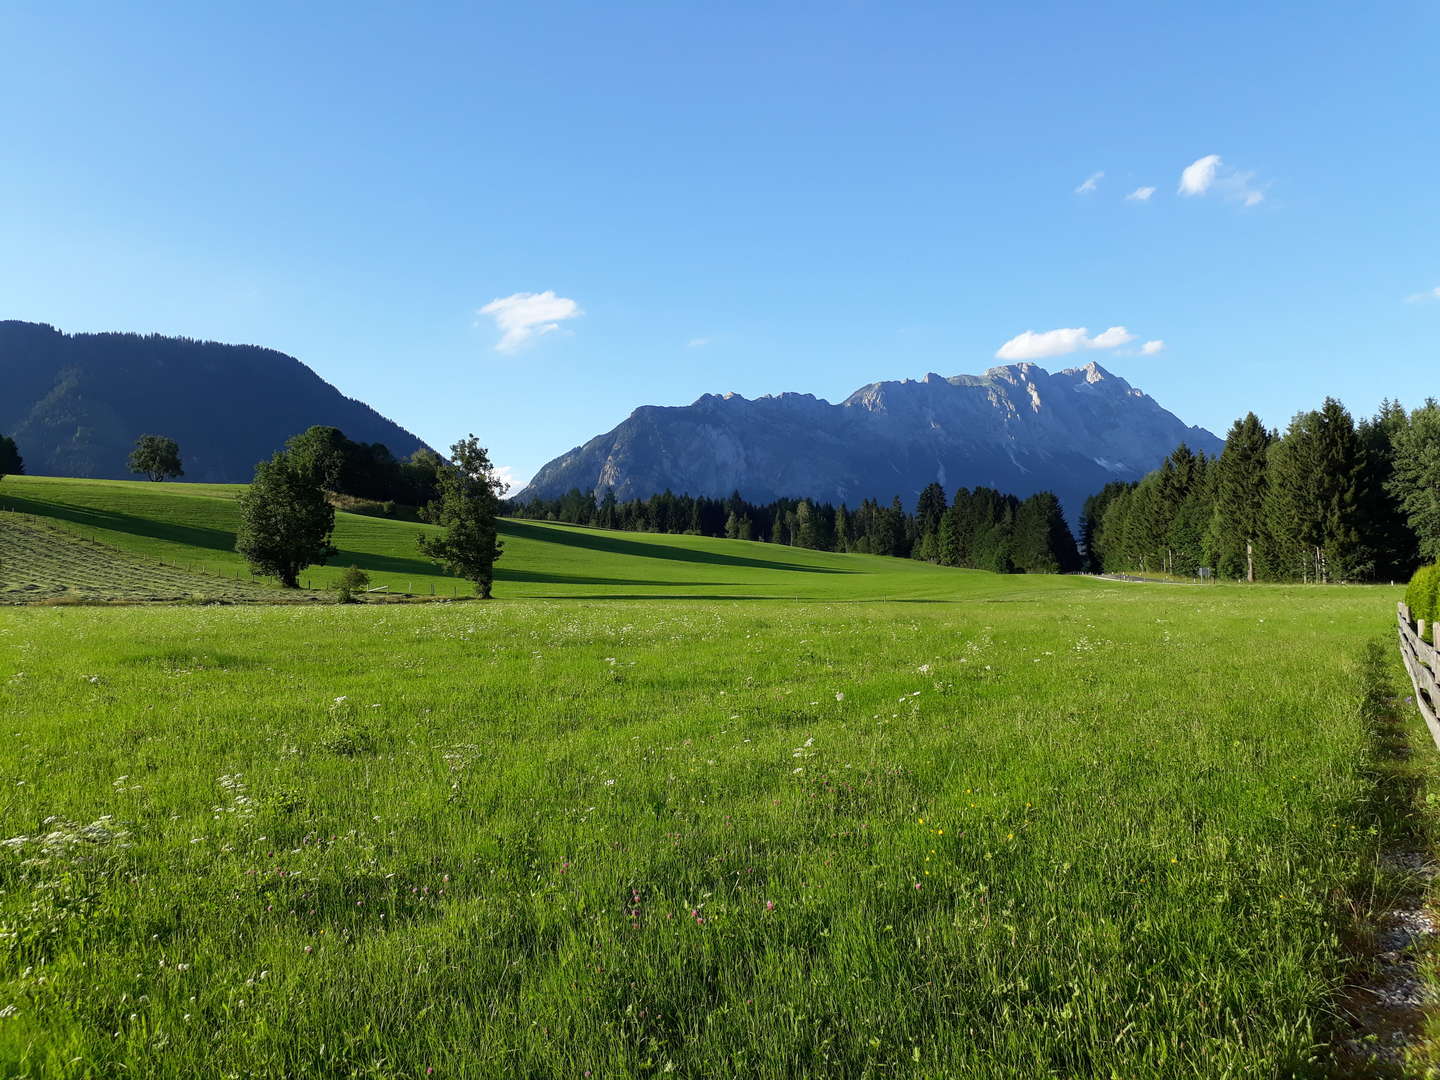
947	541
929	508
1416	480
1294	502
1238	520
1341	462
1385	529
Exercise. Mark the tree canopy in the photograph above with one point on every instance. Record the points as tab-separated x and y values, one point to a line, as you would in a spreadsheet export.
157	457
1330	499
984	528
11	463
285	520
467	509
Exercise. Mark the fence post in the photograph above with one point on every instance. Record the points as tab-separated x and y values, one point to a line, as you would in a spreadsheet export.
1420	629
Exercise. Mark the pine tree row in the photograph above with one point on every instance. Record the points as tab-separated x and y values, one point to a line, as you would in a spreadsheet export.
1327	500
983	528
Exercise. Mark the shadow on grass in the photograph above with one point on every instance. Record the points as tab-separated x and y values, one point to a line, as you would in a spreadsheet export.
615	546
798	599
199	536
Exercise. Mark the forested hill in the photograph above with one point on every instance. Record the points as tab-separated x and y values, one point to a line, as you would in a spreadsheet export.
75	403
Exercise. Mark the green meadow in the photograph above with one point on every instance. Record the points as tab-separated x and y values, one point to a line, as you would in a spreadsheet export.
672	806
192	526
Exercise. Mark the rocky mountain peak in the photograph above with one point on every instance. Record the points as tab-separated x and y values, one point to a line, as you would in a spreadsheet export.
1017	428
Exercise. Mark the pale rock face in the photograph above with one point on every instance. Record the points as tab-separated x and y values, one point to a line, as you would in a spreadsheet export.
1017	428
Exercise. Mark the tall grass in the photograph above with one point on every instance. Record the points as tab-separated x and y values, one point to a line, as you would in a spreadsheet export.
1109	831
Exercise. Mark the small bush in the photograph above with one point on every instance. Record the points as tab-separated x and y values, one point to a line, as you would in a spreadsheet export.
351	582
1421	593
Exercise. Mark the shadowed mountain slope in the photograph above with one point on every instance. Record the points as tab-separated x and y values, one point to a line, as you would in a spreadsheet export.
75	403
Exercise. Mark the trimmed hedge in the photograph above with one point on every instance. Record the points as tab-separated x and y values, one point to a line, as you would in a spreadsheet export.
1421	593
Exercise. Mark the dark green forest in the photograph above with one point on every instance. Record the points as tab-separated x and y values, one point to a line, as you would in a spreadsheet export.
75	403
1328	499
979	528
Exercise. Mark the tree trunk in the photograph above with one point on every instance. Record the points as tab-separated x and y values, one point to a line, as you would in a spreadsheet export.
1250	562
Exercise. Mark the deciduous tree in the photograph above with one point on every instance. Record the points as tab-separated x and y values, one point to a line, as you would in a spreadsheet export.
285	521
156	457
11	464
467	510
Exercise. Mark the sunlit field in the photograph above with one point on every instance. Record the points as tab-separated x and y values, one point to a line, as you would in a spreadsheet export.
192	527
1030	828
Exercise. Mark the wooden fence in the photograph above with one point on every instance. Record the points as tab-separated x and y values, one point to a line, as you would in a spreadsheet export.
1422	661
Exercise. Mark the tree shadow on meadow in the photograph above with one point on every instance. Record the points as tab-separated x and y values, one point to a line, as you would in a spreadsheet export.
797	599
200	536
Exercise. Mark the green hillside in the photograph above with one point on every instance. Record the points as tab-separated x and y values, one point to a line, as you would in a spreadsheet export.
193	525
42	563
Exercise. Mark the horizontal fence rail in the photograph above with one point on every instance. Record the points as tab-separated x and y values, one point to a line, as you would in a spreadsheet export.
1422	661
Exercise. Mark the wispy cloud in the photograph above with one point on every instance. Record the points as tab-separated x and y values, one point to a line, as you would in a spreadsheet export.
507	476
523	317
1091	182
698	342
1141	194
1210	173
1150	348
1424	297
1038	346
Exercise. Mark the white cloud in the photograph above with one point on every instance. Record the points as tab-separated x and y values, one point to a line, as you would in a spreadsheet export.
1150	348
507	474
1209	172
1090	183
1116	335
1141	194
1033	346
523	317
1199	175
698	342
1423	297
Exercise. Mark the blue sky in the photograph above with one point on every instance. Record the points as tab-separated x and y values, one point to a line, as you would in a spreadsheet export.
746	197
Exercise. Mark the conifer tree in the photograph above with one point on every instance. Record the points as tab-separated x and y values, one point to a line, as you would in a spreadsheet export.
947	542
1386	531
1416	480
1237	523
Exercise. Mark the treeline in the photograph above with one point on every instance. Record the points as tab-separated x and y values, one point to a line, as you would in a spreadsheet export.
340	465
983	528
1329	499
366	470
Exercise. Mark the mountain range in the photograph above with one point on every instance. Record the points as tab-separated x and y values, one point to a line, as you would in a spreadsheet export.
75	403
1017	428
